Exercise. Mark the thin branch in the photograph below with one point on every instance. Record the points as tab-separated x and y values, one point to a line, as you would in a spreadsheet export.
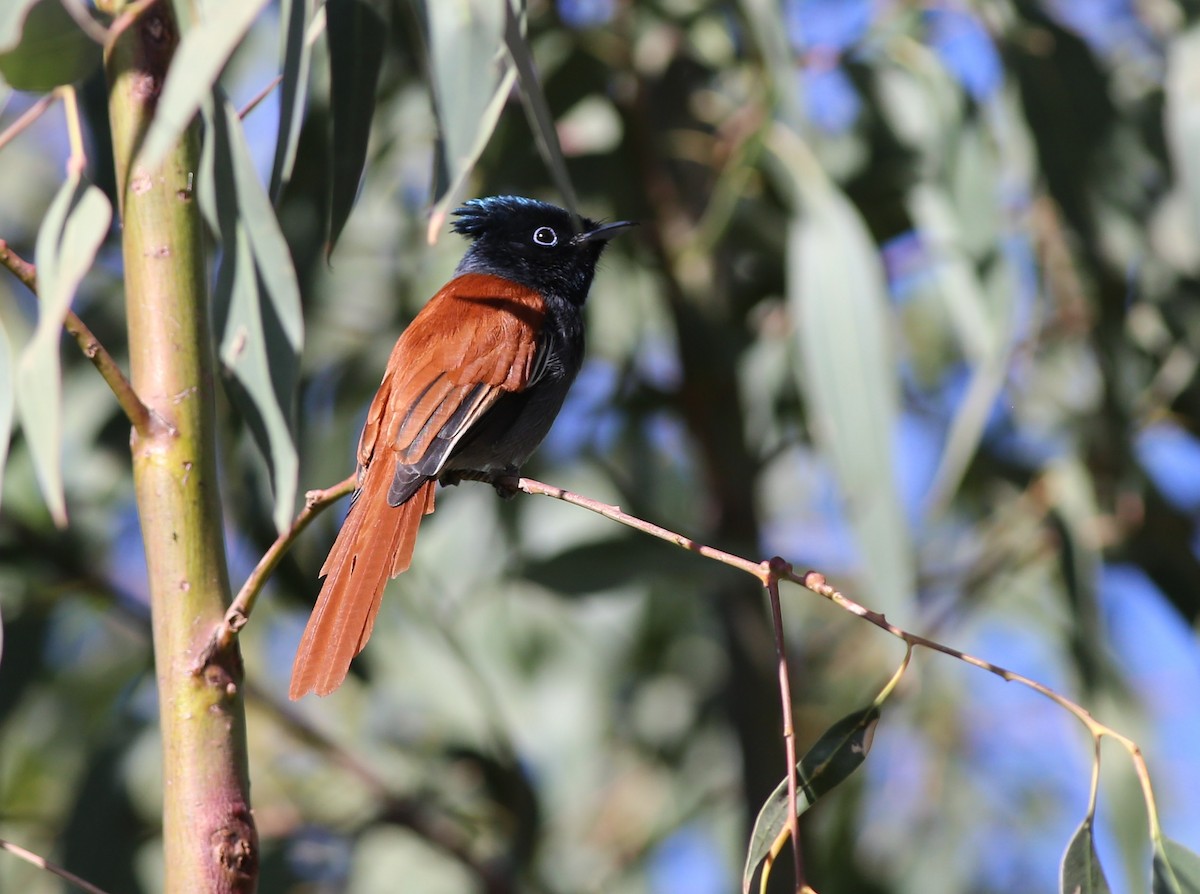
242	605
30	115
138	414
816	583
44	864
779	568
260	96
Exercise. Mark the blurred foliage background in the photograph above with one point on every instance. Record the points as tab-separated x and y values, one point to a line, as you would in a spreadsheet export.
913	303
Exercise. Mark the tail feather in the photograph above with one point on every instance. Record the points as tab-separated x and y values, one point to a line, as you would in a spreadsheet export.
375	544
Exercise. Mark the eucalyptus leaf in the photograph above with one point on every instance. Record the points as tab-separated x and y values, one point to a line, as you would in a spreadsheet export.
44	48
256	304
836	754
534	100
293	90
70	235
472	79
198	62
847	377
1176	869
1081	871
1182	116
355	31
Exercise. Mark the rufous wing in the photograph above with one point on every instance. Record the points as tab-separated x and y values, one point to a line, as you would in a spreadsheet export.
475	340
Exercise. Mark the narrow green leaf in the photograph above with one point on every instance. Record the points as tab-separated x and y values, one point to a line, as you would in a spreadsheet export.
43	47
834	756
293	90
472	79
1081	871
257	312
71	232
355	31
848	379
7	395
202	54
1176	869
536	107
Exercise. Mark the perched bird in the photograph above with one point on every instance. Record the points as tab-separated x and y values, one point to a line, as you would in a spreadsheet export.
472	385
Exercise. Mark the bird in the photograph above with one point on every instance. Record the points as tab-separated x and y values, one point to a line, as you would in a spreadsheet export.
471	388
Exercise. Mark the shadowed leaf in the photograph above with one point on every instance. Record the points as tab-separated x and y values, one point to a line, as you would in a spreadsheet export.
834	756
43	47
72	231
355	31
1081	871
202	54
293	90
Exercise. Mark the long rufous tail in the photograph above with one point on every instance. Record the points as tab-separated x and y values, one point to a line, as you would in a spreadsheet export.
375	544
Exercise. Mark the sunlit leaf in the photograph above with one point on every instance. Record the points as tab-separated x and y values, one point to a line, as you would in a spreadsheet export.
834	756
847	376
71	232
45	48
198	61
1081	871
472	79
355	30
293	89
1176	869
256	304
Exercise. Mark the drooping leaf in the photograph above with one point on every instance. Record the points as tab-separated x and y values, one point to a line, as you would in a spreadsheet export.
847	377
1081	871
42	47
606	564
198	61
834	756
256	302
70	234
534	100
355	31
472	79
1176	869
293	90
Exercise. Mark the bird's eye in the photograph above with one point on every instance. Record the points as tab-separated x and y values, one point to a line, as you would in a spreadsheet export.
545	237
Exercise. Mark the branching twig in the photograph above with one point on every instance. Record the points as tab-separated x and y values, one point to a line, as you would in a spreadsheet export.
815	582
43	863
239	609
30	115
139	415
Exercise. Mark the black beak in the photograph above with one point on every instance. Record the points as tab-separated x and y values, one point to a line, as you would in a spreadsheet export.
604	232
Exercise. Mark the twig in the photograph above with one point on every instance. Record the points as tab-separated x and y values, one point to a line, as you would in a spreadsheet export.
242	605
30	115
815	582
260	96
138	414
43	863
779	568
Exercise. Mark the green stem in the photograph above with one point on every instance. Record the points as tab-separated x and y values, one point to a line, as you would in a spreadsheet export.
209	837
